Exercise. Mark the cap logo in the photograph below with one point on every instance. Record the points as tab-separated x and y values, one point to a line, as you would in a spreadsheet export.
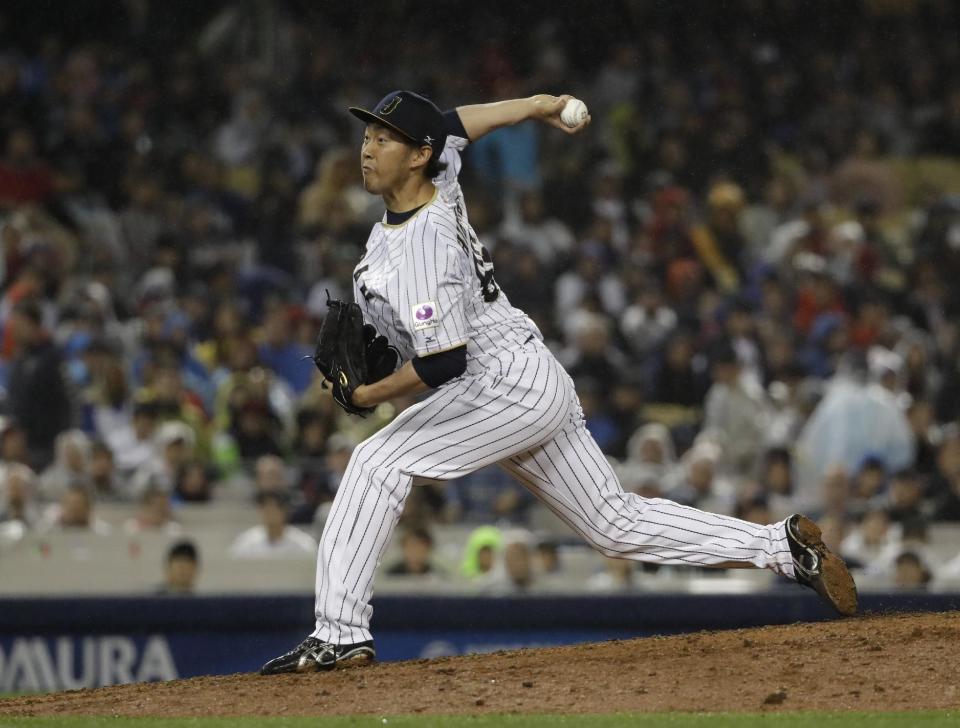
390	106
428	140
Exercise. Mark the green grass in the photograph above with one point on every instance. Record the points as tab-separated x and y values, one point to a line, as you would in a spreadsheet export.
929	719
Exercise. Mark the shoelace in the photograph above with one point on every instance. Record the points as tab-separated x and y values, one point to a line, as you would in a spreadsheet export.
322	652
303	646
807	563
812	569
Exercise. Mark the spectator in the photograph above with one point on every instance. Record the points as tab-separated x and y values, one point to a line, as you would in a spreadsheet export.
102	473
38	392
24	177
270	475
592	354
873	537
921	417
699	484
903	502
335	199
947	507
869	483
776	480
677	376
650	456
527	226
313	480
13	442
518	562
71	464
182	570
754	510
945	484
624	412
75	512
834	496
852	421
588	286
173	448
278	351
617	576
547	558
256	429
648	321
719	243
417	547
514	574
735	414
194	483
133	442
911	572
488	495
18	509
154	516
480	554
273	538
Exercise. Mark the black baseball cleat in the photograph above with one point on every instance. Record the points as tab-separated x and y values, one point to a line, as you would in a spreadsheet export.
314	655
818	567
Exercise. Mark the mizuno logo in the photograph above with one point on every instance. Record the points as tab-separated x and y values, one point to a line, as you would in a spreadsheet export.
391	106
428	139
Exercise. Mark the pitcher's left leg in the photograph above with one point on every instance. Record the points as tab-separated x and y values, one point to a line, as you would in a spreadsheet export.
573	478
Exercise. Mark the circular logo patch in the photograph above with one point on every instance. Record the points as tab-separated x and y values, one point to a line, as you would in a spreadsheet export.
424	312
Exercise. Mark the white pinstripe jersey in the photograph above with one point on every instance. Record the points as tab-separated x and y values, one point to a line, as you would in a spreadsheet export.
427	284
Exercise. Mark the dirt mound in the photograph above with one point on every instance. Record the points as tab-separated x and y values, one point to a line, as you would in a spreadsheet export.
897	662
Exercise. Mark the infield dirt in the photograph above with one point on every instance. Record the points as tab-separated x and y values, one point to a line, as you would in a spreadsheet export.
894	662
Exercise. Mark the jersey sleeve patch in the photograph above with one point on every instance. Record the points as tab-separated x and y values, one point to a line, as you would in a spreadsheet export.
425	316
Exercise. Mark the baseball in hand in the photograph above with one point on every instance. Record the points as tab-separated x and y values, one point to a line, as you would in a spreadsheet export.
574	112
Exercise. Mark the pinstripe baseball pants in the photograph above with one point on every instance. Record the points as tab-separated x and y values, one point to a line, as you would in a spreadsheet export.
527	418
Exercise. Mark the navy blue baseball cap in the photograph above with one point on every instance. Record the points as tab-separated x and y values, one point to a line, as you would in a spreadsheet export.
412	116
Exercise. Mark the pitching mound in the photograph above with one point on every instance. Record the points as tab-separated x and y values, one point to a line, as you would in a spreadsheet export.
900	662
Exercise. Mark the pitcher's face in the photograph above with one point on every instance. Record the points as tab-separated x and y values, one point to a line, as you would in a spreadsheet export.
385	159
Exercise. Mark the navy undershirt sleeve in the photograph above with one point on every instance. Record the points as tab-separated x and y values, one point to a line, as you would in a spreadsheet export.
454	125
438	369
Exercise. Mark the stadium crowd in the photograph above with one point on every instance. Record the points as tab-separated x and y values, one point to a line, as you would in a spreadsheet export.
745	264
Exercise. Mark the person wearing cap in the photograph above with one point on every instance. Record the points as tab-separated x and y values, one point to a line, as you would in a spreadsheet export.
427	284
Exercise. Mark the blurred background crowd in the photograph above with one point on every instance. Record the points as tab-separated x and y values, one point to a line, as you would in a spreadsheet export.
745	263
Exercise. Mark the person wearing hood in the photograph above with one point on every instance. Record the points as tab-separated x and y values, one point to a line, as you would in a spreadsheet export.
650	456
857	417
480	553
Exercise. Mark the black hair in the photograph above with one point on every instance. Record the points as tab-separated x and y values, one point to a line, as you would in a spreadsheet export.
434	167
30	309
183	550
420	533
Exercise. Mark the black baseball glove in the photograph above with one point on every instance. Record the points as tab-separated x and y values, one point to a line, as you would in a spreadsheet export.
350	353
341	353
382	359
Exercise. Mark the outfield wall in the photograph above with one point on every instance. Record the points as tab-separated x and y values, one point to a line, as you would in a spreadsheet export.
55	644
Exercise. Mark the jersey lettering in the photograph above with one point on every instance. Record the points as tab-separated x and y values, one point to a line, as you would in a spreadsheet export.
482	262
363	287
